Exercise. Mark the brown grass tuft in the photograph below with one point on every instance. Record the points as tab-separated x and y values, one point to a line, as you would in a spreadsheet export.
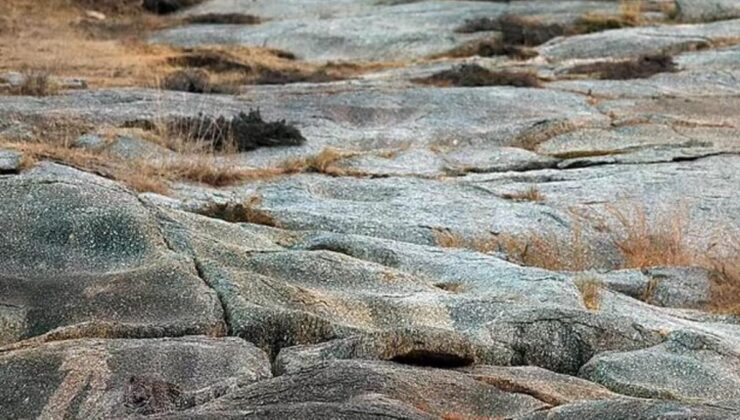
530	194
638	68
650	243
472	75
325	163
723	259
246	212
451	287
36	83
114	52
590	288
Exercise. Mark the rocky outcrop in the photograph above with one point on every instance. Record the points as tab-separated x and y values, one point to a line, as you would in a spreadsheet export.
94	378
427	252
83	257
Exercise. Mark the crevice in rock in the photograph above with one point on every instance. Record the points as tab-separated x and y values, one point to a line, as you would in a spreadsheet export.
512	387
434	359
224	309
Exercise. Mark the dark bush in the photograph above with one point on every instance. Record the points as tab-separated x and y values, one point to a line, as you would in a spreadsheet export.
187	80
638	68
217	61
471	75
243	132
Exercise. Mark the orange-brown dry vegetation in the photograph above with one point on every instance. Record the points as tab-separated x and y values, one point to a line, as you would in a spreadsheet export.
63	38
640	240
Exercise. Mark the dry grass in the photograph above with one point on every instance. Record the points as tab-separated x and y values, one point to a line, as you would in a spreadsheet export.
246	212
645	242
325	163
530	194
473	75
590	289
630	15
637	68
194	161
35	83
113	52
724	260
641	242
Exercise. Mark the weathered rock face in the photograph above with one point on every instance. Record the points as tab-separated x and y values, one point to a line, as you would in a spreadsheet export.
348	388
687	367
703	11
362	30
82	254
390	281
93	378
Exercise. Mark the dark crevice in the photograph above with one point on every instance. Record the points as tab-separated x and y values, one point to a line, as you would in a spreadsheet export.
202	275
428	358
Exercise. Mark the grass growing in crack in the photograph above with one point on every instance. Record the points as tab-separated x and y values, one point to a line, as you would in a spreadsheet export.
35	83
532	194
641	242
649	243
472	75
590	288
325	162
638	68
246	212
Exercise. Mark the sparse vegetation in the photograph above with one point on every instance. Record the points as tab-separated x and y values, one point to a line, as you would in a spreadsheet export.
590	288
324	162
35	83
640	241
639	68
113	52
242	132
246	212
528	31
188	80
643	242
530	194
472	75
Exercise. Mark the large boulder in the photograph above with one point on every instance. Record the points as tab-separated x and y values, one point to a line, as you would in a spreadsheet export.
82	254
93	378
707	10
368	389
687	367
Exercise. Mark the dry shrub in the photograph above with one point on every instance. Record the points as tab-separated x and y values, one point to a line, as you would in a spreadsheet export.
631	10
187	80
530	249
590	289
36	83
723	257
488	48
114	51
447	239
325	163
528	31
472	75
643	242
638	68
530	194
246	212
242	132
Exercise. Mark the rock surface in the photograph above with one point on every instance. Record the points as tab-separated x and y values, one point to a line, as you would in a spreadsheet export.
429	252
